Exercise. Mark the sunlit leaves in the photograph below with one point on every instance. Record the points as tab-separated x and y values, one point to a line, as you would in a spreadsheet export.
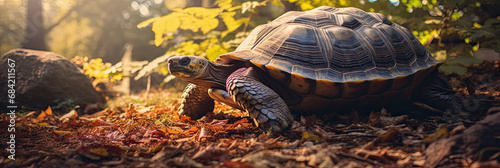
249	6
425	37
308	4
210	48
224	4
163	26
476	25
194	19
231	23
456	15
213	28
99	71
214	51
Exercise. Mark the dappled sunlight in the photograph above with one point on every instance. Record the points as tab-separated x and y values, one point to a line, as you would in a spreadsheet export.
274	83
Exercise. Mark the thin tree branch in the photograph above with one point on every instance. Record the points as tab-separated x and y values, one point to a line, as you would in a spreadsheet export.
74	8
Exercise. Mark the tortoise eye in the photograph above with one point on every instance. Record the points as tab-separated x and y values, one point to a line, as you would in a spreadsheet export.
184	61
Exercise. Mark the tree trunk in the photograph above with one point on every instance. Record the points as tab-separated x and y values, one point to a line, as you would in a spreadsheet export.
34	36
207	3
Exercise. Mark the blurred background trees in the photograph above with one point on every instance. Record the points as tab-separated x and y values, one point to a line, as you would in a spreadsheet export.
91	28
453	30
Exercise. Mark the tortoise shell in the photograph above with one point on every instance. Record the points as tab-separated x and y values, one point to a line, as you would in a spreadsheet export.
336	53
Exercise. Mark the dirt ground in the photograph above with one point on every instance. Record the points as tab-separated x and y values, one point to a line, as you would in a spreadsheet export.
155	136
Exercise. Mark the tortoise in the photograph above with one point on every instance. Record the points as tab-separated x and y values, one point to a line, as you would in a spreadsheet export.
311	62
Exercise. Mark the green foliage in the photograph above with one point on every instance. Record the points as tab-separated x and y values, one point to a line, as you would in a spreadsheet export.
208	39
461	28
452	30
195	19
445	21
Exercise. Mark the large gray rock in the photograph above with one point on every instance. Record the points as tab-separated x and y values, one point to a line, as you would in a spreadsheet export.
46	78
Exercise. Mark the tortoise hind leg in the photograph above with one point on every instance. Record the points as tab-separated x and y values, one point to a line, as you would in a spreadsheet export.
267	108
436	92
196	102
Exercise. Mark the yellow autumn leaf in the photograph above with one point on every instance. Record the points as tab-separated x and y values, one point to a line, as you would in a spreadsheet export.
477	25
99	151
439	134
61	133
224	4
231	23
312	137
476	47
209	24
214	51
147	22
43	124
165	24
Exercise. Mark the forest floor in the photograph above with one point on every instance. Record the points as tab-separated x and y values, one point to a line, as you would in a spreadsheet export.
155	136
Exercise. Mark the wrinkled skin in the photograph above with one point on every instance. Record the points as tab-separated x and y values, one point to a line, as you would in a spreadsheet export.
243	86
237	86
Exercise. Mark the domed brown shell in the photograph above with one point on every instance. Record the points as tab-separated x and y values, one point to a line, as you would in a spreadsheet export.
314	52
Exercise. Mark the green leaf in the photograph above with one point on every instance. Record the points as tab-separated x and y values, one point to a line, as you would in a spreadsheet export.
450	69
481	35
460	50
465	60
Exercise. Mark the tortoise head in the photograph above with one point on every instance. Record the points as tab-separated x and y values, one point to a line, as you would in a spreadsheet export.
187	67
199	71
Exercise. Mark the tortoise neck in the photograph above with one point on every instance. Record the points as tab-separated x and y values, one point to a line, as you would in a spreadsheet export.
215	75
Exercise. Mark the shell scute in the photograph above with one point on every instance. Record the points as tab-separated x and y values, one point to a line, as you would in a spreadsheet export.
347	49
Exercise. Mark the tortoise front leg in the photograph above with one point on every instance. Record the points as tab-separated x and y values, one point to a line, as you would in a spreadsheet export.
196	102
267	108
436	92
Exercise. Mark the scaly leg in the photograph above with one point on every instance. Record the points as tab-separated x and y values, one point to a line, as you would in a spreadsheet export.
196	102
437	93
267	108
